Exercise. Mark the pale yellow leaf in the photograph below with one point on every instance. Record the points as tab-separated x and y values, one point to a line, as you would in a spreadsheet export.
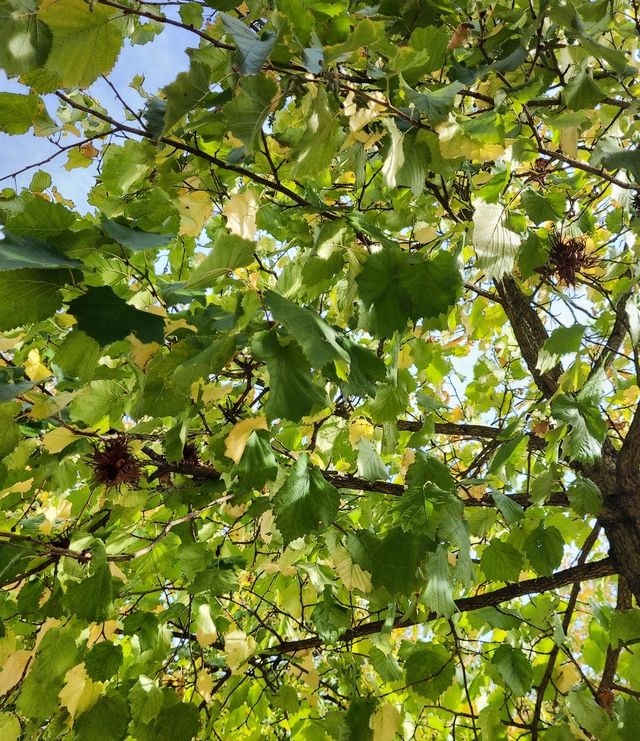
241	211
206	633
6	343
238	647
195	209
58	439
204	684
13	670
385	722
21	487
102	632
237	439
80	692
353	577
569	141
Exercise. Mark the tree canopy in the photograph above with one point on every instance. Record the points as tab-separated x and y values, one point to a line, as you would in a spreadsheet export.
322	422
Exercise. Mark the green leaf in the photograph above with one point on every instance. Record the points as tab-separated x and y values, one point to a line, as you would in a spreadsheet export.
26	252
252	51
134	238
370	465
500	561
390	400
145	699
9	433
86	41
103	661
386	665
588	430
107	318
357	718
540	208
92	598
395	561
292	393
506	451
246	113
562	341
10	728
25	41
107	720
544	547
9	391
435	105
318	340
438	594
496	245
208	361
582	92
434	285
387	302
330	618
514	668
587	713
366	369
17	112
258	463
78	356
624	159
43	220
180	722
187	92
585	497
228	253
427	468
56	654
30	295
144	625
429	670
305	504
322	137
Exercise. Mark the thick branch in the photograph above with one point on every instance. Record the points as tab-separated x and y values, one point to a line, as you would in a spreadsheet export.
530	332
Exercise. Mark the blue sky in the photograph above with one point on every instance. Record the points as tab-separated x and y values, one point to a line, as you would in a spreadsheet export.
159	61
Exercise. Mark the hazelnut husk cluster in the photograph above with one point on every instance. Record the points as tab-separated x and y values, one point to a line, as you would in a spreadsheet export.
114	464
568	258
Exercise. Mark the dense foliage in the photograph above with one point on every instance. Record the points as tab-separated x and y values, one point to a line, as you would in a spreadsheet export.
323	422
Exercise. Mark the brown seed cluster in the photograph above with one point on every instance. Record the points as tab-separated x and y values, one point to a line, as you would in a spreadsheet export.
567	258
114	464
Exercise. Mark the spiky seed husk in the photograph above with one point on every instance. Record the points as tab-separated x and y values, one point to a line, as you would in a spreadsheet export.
114	464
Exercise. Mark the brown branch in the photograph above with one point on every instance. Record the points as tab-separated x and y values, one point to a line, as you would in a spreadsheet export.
585	572
566	621
529	331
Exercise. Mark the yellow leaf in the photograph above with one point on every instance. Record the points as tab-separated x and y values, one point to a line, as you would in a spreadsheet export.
385	722
58	439
360	428
306	671
34	369
13	670
206	633
80	692
102	632
195	210
353	577
46	406
141	353
240	211
461	34
238	647
566	677
454	143
239	435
